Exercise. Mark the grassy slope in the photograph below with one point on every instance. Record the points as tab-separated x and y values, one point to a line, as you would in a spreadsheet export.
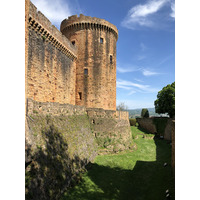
138	175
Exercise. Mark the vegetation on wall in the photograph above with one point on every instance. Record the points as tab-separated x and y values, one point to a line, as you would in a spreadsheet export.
160	124
61	147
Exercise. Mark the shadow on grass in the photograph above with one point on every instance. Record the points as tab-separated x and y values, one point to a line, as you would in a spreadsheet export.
144	130
146	181
50	170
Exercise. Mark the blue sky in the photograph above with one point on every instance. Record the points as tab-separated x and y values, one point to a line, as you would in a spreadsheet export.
145	47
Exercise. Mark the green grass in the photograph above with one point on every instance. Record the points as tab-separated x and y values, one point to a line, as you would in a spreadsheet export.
137	175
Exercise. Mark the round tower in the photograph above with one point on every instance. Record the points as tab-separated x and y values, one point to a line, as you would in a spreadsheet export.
96	65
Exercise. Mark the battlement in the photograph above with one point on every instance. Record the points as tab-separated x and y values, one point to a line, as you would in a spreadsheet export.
87	22
39	23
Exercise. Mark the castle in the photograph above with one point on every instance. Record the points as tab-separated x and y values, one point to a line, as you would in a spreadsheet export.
76	65
70	99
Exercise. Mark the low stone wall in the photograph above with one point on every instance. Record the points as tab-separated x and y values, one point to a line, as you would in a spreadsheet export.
53	108
168	130
59	144
147	124
111	129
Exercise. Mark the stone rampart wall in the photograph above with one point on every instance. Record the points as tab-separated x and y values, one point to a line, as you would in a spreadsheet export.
51	61
99	112
147	124
111	129
53	108
43	26
59	144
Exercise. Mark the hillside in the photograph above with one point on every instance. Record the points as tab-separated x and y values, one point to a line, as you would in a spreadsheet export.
133	113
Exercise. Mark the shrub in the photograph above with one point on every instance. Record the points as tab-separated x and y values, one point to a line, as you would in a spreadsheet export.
132	122
144	113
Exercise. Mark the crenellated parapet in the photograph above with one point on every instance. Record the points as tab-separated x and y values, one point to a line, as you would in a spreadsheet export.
87	22
40	24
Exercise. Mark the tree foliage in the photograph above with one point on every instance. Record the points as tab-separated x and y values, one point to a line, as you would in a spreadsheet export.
122	107
165	102
145	113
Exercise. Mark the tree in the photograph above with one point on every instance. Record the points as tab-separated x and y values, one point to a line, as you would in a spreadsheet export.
165	102
145	113
122	107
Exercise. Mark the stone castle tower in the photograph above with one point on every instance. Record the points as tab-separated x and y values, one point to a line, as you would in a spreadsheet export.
95	40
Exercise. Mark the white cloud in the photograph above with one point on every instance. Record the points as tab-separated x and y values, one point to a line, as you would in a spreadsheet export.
145	72
139	80
132	92
144	15
146	9
172	14
135	87
127	69
143	46
54	10
141	57
149	73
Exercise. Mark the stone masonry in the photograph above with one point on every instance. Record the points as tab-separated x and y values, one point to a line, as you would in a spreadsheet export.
70	99
75	66
96	66
72	70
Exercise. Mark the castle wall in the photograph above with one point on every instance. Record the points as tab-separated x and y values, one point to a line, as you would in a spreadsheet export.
51	66
97	88
59	145
53	108
148	124
111	129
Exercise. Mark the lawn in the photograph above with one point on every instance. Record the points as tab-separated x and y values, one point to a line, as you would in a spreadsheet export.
136	175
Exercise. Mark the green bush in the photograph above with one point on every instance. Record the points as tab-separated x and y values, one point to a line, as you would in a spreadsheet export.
132	122
145	113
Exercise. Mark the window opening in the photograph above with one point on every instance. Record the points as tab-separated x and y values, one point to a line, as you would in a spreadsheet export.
85	71
111	60
80	95
101	40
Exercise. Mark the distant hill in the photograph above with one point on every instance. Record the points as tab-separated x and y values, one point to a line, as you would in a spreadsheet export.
133	113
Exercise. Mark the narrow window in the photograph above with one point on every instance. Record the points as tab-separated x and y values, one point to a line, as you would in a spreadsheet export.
80	95
111	61
101	40
73	42
85	71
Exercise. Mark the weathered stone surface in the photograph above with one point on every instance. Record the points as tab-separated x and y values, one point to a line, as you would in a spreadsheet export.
111	128
58	148
58	71
96	41
63	81
147	124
